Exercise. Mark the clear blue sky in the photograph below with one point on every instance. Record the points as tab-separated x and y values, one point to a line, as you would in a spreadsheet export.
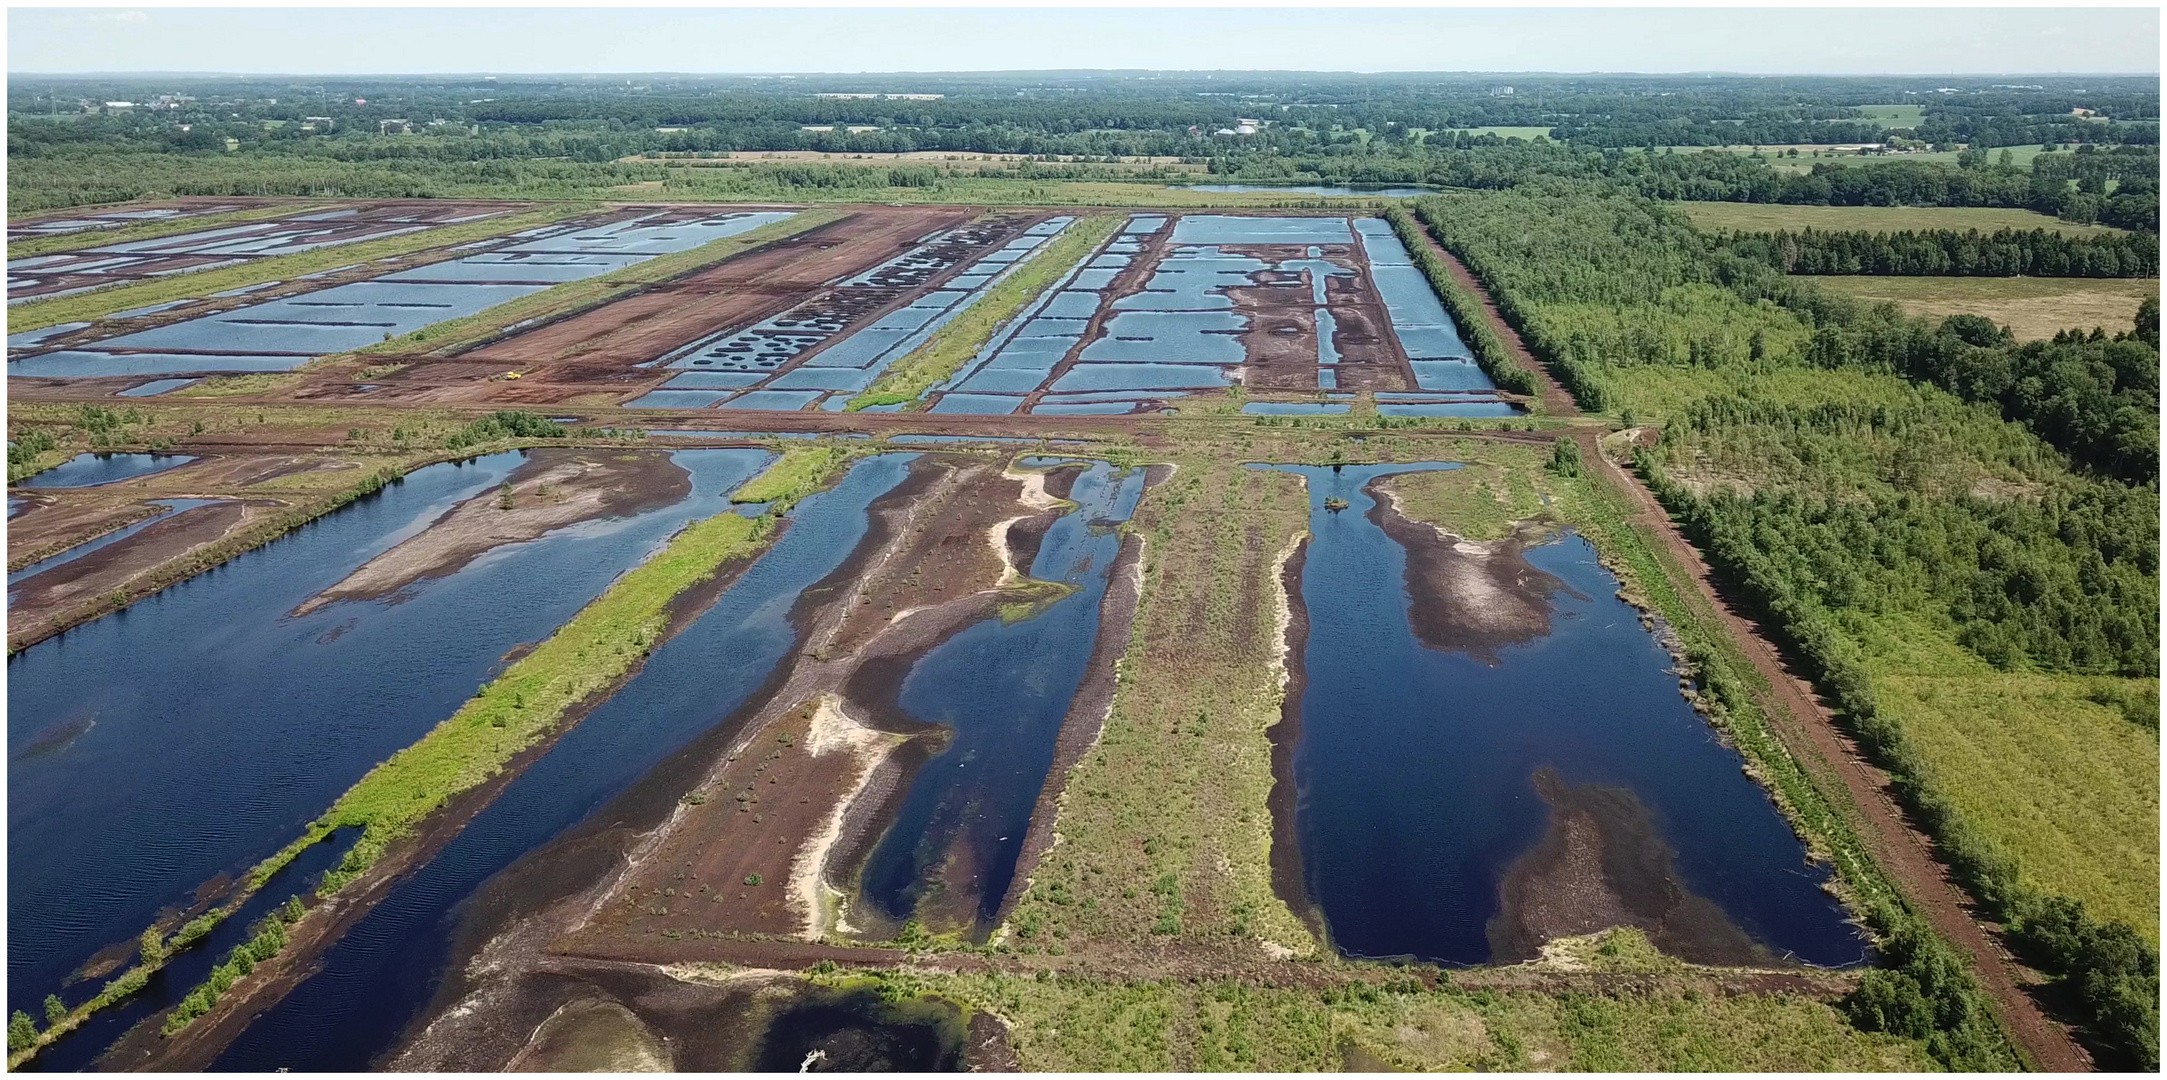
514	40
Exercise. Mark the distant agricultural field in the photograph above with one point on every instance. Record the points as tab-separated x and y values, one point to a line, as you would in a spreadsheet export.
1811	154
1508	132
2034	308
1895	116
1768	217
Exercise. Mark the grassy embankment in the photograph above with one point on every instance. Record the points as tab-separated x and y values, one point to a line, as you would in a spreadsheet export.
2034	309
85	307
150	230
1165	830
604	641
1768	217
911	376
558	300
1383	1020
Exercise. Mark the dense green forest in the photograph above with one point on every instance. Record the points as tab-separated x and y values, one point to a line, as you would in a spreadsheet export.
1947	252
1854	469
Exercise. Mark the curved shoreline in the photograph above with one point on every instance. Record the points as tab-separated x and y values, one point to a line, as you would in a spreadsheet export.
1289	878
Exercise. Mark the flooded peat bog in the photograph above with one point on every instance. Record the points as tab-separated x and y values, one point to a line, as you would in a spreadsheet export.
1493	752
382	973
1002	688
157	751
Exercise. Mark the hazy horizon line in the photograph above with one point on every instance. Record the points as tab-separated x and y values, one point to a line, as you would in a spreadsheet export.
1687	73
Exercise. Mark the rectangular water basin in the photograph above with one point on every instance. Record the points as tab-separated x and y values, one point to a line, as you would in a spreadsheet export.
154	387
1468	409
1141	377
677	399
775	400
976	404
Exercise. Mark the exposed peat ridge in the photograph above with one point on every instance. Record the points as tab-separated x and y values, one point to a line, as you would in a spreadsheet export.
1603	863
752	838
99	568
554	489
1470	597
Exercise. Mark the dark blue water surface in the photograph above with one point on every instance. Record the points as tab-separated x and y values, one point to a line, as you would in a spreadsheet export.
91	470
1003	690
1413	767
382	972
200	729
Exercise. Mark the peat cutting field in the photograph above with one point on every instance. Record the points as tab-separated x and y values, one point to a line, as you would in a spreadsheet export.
546	636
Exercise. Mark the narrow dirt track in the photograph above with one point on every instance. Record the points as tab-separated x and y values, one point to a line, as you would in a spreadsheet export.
1903	851
1556	400
1805	724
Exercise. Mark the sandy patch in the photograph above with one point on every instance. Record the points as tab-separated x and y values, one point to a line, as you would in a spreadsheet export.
832	731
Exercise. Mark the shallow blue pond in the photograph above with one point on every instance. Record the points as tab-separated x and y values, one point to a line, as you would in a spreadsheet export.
1414	766
92	470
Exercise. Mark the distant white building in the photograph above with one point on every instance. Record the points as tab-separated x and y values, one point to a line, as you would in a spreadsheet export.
1501	91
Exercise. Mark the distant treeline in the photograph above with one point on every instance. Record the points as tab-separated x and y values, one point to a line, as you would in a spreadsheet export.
1949	253
2070	186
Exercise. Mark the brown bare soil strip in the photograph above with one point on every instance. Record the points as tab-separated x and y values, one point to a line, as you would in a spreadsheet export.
1370	354
599	349
1603	863
638	844
1368	346
1469	597
553	490
109	569
1556	400
1813	735
54	523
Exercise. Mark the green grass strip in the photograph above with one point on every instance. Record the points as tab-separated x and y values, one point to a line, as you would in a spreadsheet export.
149	230
572	296
961	339
801	468
84	307
599	645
